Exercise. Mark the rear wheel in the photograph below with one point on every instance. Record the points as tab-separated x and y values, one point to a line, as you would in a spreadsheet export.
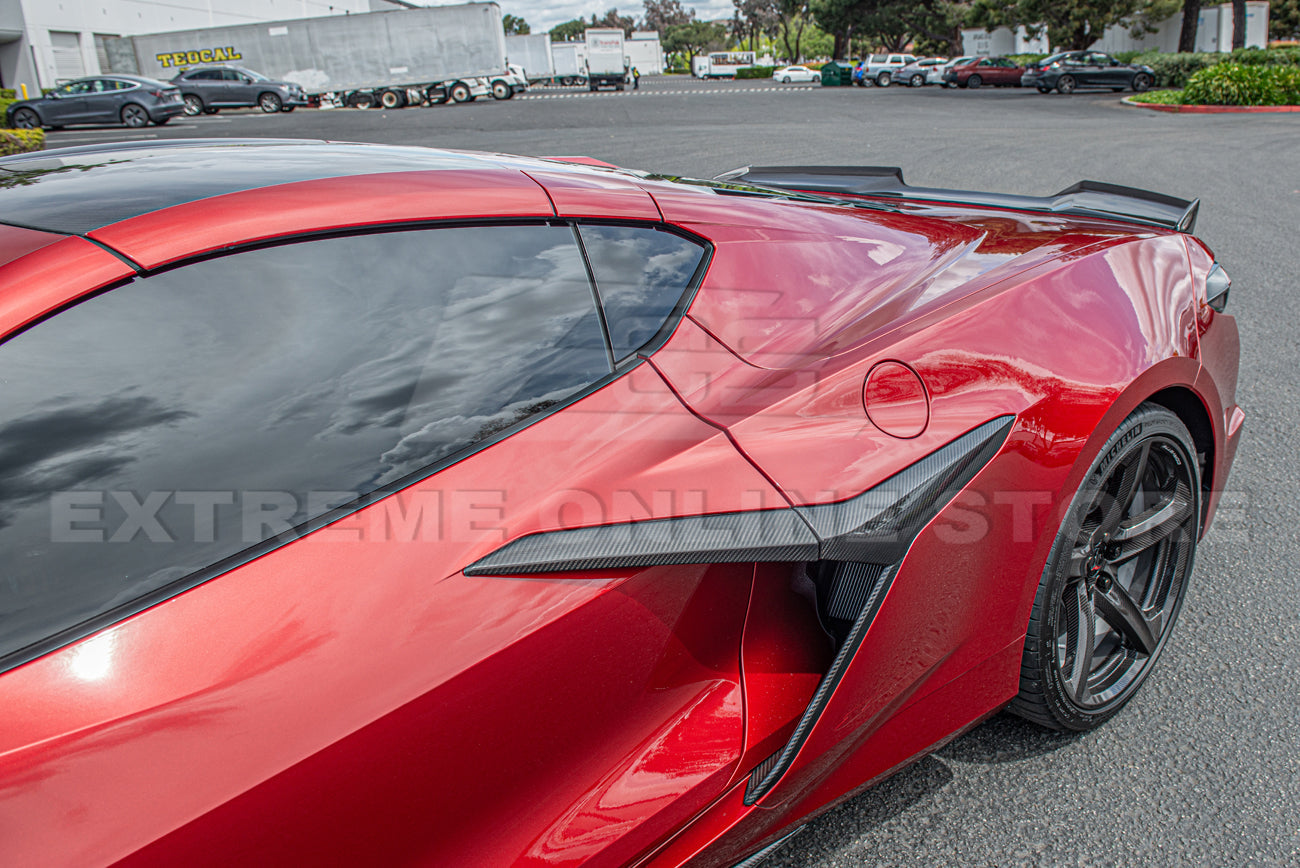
1116	576
1065	84
1142	82
974	81
26	119
884	79
392	99
917	80
785	79
193	105
134	116
361	100
270	103
460	92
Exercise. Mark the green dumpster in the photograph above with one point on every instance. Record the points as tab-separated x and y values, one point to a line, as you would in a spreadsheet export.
836	73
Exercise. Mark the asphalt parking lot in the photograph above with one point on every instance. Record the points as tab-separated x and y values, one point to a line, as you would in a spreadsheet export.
1203	768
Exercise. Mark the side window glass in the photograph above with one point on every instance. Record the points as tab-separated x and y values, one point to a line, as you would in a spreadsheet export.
154	430
641	274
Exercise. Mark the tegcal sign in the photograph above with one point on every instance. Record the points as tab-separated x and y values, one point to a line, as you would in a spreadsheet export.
169	59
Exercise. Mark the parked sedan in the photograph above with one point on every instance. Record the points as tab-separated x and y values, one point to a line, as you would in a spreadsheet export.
104	99
940	72
216	87
921	72
997	71
1074	69
796	73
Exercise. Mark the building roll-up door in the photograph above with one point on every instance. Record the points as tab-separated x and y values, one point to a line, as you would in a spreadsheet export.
66	48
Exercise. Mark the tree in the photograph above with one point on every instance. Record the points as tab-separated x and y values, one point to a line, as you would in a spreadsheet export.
697	37
1191	18
1284	19
662	14
1238	24
758	18
1070	24
793	17
515	26
568	30
614	21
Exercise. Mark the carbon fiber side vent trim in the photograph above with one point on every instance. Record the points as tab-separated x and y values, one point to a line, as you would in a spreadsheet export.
877	526
772	535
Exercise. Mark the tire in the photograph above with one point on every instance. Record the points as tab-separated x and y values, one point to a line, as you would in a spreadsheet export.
133	115
26	119
917	80
460	92
392	99
210	111
1042	89
785	80
1139	505
884	79
1142	82
974	81
1065	84
193	104
501	90
270	103
361	100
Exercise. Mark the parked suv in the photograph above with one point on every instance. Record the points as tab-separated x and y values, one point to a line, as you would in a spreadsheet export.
210	88
881	69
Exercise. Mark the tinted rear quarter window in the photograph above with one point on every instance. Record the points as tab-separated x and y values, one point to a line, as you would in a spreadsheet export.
156	429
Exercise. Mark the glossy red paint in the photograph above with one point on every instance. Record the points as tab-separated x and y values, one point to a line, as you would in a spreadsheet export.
354	696
995	71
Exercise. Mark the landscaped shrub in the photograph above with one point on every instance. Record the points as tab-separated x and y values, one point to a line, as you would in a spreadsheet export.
1174	70
20	141
1238	84
756	72
1025	59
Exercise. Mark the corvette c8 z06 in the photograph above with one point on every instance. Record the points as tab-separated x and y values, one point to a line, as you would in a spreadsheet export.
364	504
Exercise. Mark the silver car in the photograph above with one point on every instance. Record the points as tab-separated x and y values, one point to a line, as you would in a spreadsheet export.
921	72
211	88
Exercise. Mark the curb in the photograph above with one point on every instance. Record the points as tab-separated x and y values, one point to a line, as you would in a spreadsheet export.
1209	109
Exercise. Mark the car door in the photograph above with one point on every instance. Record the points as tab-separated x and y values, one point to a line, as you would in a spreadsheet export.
1109	72
239	89
67	104
104	101
207	85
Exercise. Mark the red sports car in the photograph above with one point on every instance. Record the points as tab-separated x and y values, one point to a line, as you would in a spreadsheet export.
367	505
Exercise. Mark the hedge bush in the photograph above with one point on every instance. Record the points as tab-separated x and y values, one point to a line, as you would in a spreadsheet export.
20	141
4	107
756	72
1025	59
1240	84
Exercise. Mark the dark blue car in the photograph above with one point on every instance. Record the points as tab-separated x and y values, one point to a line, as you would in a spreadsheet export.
101	99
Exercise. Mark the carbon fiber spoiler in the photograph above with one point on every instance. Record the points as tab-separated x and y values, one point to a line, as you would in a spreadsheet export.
1084	199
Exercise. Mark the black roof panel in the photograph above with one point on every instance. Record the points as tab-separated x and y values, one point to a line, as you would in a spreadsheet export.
78	190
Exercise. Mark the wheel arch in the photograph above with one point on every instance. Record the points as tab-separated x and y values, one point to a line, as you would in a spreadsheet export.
1189	407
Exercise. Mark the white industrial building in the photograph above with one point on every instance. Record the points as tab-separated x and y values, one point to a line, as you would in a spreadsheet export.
1213	33
43	42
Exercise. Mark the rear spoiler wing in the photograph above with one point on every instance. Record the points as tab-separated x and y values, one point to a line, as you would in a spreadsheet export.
1084	199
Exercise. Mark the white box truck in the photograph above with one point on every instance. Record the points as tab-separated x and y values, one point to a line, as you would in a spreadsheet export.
420	56
532	54
606	60
569	60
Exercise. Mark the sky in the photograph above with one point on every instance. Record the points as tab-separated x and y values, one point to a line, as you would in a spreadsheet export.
542	15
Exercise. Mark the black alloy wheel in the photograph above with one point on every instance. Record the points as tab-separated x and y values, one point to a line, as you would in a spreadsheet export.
1141	82
1065	84
26	119
134	116
1116	576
